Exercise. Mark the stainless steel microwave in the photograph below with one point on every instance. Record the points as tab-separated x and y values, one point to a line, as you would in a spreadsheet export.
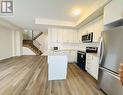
87	38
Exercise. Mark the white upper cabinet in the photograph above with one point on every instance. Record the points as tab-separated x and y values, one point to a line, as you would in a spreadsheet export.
75	37
65	33
67	36
113	11
59	35
53	35
96	26
71	36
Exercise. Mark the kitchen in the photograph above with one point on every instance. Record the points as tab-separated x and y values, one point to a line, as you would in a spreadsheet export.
72	44
83	45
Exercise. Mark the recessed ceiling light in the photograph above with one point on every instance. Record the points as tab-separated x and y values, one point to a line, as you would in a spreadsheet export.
76	12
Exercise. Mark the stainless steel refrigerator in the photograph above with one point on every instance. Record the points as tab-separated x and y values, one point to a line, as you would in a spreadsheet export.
111	55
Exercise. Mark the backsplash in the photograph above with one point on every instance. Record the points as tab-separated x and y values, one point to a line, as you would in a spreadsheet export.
82	46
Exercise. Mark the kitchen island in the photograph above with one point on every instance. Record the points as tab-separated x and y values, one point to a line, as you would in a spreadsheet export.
57	65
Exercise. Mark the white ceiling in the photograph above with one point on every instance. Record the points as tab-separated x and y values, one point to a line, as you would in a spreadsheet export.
26	11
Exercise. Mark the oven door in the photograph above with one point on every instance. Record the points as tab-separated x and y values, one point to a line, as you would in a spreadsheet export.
81	58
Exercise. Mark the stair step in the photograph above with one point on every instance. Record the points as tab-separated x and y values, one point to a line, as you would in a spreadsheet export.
29	44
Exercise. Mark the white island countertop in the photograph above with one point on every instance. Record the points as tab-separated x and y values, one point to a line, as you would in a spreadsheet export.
54	53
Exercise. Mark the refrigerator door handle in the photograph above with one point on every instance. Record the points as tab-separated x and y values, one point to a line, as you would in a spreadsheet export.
101	50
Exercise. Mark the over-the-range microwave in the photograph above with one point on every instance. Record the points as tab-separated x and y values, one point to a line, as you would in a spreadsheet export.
87	38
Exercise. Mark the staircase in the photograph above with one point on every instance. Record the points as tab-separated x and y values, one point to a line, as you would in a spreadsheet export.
30	44
33	44
34	38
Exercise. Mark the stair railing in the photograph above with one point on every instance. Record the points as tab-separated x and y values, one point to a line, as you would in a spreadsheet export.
37	44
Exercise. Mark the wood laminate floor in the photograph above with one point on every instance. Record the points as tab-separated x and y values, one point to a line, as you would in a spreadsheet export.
28	75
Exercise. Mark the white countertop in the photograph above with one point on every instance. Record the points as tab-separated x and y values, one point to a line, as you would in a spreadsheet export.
54	53
59	52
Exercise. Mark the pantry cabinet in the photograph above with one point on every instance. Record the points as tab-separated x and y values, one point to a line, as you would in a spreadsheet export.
92	65
113	11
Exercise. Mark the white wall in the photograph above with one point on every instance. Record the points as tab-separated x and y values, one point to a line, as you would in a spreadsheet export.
17	43
5	43
10	40
27	51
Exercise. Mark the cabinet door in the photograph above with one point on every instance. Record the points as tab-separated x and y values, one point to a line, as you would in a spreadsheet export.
71	36
75	38
65	36
60	35
70	56
54	36
92	65
79	35
67	54
73	56
95	66
113	11
98	28
68	36
96	36
88	63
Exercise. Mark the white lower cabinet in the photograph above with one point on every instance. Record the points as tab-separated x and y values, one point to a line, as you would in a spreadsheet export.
92	65
57	71
71	55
